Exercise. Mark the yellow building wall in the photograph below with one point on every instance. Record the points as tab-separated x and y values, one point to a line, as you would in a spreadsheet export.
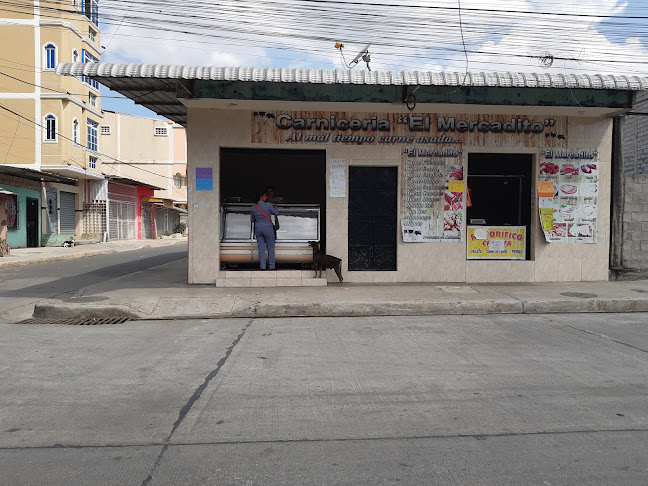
17	135
19	10
17	61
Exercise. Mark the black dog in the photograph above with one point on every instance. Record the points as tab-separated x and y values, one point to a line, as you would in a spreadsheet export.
324	261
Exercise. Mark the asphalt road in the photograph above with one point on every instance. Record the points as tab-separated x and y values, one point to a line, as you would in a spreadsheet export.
462	400
22	287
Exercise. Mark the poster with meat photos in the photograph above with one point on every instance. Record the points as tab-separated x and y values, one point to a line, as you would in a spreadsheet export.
575	199
433	198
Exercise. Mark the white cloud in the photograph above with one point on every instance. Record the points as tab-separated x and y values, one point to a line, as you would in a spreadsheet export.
409	36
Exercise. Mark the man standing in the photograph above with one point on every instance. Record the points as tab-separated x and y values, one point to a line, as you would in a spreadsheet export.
264	230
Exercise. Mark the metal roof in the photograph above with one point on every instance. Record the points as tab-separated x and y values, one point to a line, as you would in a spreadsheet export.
132	182
35	175
321	76
154	85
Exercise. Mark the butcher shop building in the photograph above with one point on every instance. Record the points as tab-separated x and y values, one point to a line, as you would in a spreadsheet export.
407	177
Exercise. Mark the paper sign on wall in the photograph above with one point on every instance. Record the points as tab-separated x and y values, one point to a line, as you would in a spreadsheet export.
500	243
337	178
204	179
568	192
545	189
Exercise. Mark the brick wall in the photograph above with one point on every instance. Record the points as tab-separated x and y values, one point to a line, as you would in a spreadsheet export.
635	180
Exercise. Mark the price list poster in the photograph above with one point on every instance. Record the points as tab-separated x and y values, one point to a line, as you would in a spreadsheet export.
568	185
433	195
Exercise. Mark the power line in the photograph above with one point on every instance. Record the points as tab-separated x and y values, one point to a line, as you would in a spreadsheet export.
100	154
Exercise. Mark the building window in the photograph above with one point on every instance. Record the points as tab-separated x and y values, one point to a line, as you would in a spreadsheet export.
179	181
75	55
93	143
91	34
75	130
161	131
50	56
50	128
105	129
91	10
92	99
87	57
92	162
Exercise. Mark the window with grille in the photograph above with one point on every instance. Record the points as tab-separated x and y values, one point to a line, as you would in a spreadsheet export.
75	130
92	162
92	99
91	34
50	56
87	57
91	10
105	129
50	128
93	143
161	131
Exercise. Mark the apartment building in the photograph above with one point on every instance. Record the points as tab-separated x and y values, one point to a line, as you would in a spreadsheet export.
48	123
152	151
66	167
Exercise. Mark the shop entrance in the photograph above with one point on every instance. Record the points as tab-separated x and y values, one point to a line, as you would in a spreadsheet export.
500	191
298	177
32	222
373	195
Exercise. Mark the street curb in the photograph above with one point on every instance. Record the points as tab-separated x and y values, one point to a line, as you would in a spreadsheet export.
359	309
77	311
55	258
587	306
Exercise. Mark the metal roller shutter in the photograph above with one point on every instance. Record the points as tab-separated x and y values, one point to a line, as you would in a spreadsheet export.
68	206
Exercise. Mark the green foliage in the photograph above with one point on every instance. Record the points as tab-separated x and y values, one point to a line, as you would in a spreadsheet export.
180	228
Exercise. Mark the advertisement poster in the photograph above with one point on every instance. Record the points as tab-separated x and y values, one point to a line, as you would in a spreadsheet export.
337	178
11	209
496	243
568	196
433	199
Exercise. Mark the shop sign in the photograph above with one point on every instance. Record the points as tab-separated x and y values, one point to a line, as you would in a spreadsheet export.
496	243
389	129
568	185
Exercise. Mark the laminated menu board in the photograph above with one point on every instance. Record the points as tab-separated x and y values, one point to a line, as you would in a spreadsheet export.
568	191
432	199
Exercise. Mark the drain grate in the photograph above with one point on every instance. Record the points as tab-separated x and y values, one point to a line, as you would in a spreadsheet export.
579	295
88	321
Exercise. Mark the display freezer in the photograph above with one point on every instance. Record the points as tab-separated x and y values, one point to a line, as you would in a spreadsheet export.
298	224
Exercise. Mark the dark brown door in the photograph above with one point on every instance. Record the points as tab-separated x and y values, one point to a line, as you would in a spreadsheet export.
373	193
32	222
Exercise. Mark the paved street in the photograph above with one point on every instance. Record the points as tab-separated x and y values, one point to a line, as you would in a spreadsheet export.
21	287
496	399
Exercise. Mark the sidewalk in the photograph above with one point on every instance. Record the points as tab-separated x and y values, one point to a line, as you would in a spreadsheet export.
44	254
162	293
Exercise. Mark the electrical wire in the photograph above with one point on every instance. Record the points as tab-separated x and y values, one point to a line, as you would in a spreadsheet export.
168	25
100	156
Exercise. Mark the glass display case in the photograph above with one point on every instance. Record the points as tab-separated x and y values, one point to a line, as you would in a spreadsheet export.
298	224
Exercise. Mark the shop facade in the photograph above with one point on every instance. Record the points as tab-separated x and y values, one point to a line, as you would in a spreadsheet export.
416	177
396	192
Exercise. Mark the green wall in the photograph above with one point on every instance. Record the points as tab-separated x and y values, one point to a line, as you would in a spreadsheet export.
18	238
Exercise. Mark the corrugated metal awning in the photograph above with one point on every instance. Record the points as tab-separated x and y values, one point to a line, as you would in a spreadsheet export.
157	86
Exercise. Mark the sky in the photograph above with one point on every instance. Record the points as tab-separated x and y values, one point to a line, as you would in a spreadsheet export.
549	36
